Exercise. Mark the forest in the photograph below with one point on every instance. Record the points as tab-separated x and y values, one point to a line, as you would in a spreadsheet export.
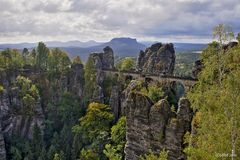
75	126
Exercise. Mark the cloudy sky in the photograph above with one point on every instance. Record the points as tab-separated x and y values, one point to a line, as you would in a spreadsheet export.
101	20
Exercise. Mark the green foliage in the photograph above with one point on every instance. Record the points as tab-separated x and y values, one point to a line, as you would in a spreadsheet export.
155	93
125	64
37	142
94	128
97	120
77	60
184	63
90	78
69	109
1	89
16	153
57	157
215	98
238	37
11	59
118	131
58	62
151	156
28	93
88	155
114	151
42	56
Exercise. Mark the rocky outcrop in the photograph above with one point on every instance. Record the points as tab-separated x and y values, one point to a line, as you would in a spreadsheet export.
2	145
154	126
115	101
197	68
103	60
157	59
14	120
76	80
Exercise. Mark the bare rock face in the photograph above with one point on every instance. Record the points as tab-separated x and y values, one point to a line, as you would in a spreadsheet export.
17	122
101	61
104	60
154	126
2	145
76	80
157	59
197	68
115	101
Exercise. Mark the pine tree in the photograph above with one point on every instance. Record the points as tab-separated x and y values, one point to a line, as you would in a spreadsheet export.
37	142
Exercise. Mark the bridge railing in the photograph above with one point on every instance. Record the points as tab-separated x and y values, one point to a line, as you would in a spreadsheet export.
146	74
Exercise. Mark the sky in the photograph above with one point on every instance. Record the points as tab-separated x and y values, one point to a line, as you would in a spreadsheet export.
102	20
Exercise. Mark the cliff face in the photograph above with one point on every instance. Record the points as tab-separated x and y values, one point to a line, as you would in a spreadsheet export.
12	116
2	145
157	59
154	126
197	68
101	61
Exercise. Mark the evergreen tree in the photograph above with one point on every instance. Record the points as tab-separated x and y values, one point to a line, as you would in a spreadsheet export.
90	77
57	157
42	56
37	142
77	60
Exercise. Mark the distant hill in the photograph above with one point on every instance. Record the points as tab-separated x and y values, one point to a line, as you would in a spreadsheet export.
52	44
122	47
182	47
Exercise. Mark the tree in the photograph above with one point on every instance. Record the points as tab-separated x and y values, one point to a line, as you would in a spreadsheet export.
76	146
29	94
42	56
126	63
16	153
223	33
58	62
37	142
90	77
151	156
114	150
57	157
89	155
97	120
238	38
25	54
94	128
77	60
216	123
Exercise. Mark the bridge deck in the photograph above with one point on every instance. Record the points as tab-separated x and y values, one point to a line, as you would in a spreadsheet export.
152	76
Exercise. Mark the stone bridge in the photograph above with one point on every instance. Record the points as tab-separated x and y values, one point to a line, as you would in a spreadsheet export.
187	82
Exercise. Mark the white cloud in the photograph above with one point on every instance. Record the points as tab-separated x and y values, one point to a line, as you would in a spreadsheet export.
23	20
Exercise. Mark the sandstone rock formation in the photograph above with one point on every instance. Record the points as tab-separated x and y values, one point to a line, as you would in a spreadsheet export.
154	126
16	122
115	101
2	145
157	59
104	60
197	68
101	61
76	80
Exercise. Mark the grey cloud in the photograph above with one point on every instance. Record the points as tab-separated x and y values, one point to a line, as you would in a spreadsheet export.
104	19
